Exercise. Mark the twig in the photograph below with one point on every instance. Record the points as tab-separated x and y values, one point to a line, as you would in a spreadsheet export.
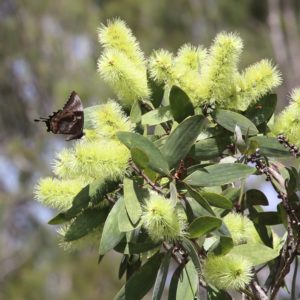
174	255
295	151
293	291
258	291
289	250
147	179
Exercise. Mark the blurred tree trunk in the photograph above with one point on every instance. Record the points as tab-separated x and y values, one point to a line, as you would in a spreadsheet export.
285	40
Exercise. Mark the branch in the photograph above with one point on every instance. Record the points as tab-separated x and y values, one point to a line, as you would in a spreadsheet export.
289	250
147	179
258	291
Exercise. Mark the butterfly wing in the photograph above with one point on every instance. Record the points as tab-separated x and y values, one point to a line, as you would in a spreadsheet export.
74	103
69	120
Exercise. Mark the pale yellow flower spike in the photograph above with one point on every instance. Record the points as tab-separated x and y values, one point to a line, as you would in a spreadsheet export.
288	121
128	81
108	119
57	193
116	35
228	271
162	220
161	66
218	73
105	159
255	82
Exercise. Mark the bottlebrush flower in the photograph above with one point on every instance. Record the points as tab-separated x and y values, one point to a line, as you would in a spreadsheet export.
161	66
288	122
105	159
116	35
127	80
64	164
218	73
161	219
191	58
57	193
255	82
109	119
241	228
228	271
90	160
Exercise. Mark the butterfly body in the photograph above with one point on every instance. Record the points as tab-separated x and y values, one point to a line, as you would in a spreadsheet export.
68	120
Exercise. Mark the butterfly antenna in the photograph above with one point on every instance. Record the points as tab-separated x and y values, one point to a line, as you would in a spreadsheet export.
40	120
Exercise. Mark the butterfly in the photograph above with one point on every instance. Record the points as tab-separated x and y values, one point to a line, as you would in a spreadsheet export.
68	120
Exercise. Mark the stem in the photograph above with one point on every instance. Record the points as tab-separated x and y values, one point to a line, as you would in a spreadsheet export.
293	291
241	194
289	250
147	179
259	292
176	258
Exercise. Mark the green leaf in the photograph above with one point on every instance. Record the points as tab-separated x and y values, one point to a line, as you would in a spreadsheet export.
157	116
174	283
180	104
123	266
231	193
93	192
162	276
111	234
157	162
263	231
202	201
180	141
173	194
192	252
137	248
89	116
124	223
132	198
262	111
141	281
142	244
203	225
157	91
269	146
219	174
257	254
135	112
83	224
214	294
139	157
217	200
269	218
256	197
188	285
224	246
229	120
210	148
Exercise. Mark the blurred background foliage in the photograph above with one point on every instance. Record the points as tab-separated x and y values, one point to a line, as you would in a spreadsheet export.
49	48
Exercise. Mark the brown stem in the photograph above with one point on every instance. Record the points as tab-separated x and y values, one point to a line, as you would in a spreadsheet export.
289	250
174	255
258	291
147	179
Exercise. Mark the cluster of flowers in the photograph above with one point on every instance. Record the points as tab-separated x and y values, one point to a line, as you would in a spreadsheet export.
207	76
